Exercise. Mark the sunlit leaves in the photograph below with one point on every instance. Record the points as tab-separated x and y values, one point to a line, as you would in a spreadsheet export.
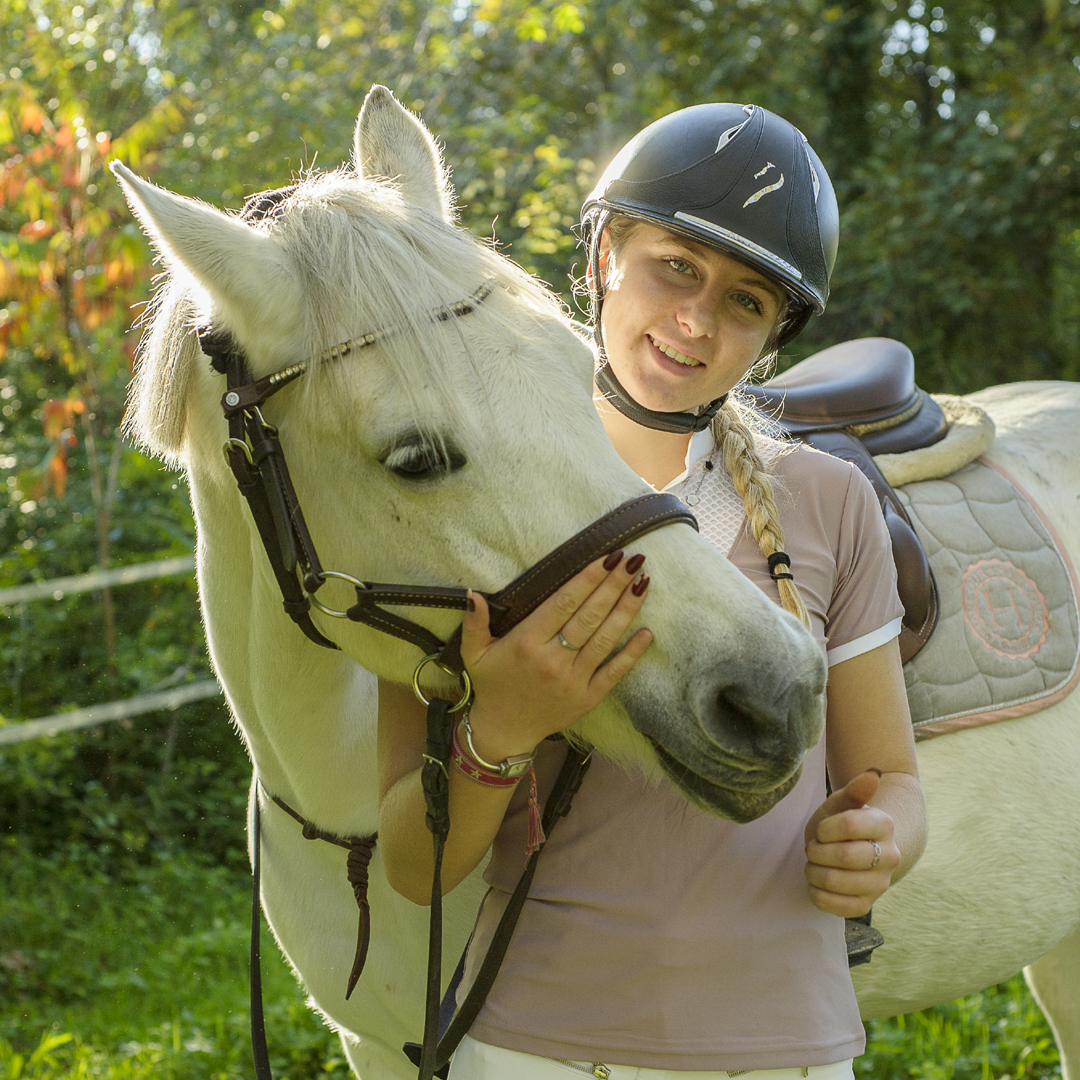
165	118
68	272
260	89
58	424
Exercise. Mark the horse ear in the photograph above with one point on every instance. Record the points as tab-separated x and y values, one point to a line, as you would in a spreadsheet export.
392	143
243	269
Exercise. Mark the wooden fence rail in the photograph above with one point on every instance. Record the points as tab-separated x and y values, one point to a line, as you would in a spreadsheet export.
57	589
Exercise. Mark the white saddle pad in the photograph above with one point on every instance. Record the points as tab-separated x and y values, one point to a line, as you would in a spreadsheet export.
1007	641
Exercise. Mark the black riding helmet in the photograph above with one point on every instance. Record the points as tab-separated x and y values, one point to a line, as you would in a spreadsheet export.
737	178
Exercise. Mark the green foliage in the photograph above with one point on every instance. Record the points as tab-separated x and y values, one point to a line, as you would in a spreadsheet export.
141	975
999	1032
950	130
963	212
54	654
121	796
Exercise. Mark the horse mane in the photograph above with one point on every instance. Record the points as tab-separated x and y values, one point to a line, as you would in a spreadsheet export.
366	260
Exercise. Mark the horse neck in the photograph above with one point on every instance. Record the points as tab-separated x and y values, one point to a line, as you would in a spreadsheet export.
307	714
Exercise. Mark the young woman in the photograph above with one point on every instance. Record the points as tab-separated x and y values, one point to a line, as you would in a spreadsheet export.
658	940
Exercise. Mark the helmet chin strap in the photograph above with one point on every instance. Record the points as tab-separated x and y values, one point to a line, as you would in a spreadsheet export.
681	423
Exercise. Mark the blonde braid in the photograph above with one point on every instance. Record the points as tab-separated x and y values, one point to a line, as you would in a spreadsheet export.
753	486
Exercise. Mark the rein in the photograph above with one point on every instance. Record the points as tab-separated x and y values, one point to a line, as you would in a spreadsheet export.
254	453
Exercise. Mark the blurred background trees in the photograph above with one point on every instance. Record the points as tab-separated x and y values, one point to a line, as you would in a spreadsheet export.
951	131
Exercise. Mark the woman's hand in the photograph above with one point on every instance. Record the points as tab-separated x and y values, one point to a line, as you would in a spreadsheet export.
557	664
850	851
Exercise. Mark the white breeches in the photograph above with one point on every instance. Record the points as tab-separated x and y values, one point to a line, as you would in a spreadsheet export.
481	1061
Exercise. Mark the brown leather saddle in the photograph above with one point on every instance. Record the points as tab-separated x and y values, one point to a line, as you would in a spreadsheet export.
853	401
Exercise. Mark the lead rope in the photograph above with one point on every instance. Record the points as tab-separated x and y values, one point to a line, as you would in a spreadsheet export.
556	807
436	785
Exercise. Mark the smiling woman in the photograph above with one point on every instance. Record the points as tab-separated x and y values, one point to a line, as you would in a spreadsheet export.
711	238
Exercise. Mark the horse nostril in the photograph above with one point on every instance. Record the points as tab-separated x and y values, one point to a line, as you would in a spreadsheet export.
766	722
744	728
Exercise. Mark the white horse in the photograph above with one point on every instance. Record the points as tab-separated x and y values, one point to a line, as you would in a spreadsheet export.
457	452
507	390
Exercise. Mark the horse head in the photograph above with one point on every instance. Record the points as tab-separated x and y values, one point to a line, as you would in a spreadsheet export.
454	451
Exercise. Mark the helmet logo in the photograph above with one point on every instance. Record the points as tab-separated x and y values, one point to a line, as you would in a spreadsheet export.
765	190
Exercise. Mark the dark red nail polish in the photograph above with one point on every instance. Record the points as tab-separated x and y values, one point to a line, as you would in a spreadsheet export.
639	587
613	560
634	564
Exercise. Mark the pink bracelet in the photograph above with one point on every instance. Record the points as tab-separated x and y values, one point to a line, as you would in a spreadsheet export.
483	773
477	773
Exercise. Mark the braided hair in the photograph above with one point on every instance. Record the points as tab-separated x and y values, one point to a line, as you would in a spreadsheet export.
735	440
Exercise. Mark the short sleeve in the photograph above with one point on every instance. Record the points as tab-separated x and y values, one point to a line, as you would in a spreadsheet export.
865	611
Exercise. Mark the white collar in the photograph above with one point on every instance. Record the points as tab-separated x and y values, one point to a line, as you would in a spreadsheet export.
701	445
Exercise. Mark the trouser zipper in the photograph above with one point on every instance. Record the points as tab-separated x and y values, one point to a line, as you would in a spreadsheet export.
596	1069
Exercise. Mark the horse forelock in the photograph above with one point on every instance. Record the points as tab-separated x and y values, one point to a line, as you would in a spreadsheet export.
365	260
371	261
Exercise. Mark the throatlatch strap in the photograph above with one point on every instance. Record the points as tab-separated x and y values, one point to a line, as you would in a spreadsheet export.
360	849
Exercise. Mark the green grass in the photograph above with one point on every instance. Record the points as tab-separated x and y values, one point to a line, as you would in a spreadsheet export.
143	975
998	1034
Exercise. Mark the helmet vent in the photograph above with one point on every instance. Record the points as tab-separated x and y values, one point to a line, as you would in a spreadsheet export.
813	172
728	135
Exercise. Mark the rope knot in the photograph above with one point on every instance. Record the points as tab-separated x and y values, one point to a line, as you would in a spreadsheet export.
360	852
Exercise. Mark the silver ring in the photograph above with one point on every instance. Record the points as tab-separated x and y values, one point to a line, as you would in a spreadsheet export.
463	676
566	644
877	855
320	606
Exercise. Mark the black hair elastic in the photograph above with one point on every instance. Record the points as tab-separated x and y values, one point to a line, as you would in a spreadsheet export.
780	558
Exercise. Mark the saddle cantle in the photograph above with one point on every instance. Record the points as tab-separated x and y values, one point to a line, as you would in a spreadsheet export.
853	401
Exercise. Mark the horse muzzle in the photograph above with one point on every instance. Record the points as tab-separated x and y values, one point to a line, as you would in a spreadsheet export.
735	748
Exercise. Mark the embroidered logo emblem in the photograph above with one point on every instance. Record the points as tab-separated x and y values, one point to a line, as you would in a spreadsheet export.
1004	609
765	190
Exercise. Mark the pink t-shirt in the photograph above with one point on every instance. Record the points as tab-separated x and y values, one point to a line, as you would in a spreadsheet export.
656	934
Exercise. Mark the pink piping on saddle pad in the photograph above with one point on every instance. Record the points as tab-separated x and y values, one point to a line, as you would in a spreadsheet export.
1035	704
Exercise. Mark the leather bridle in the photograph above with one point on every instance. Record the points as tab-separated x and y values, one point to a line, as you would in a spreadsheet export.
255	456
257	460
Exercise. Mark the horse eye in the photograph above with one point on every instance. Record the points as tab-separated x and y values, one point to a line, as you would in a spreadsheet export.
417	457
